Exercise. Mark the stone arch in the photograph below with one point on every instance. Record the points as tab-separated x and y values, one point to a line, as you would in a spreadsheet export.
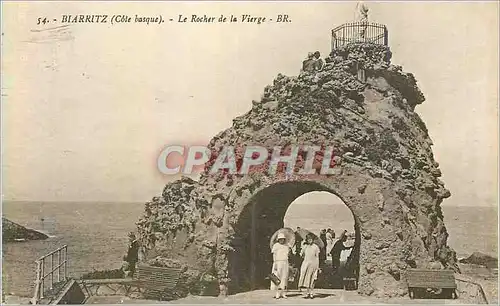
384	170
371	200
263	214
389	237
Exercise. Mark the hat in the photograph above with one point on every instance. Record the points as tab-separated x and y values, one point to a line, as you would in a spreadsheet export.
283	233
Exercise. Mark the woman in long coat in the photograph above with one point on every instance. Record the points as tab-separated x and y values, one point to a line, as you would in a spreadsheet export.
310	266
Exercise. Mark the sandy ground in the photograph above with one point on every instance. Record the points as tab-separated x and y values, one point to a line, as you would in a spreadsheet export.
323	296
488	278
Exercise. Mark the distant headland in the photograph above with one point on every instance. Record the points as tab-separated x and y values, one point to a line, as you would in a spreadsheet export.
12	232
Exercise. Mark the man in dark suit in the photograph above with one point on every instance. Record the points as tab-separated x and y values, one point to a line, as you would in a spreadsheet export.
133	253
322	252
338	247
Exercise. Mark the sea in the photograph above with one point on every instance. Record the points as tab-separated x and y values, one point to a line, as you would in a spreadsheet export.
97	233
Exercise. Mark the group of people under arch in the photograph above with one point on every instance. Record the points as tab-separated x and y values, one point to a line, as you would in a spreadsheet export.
304	262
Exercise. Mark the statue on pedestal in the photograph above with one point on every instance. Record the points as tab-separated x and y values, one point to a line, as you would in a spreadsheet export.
362	17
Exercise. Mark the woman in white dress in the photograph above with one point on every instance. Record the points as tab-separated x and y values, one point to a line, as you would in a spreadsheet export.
280	267
310	266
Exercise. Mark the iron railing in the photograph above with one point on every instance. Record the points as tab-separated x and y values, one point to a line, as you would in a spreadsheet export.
359	32
57	266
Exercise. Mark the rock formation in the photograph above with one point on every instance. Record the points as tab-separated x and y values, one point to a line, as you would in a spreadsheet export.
14	232
218	228
478	258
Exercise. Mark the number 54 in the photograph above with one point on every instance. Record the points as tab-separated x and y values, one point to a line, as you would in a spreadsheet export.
40	20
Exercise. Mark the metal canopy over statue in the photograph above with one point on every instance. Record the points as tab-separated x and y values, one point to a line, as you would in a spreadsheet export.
360	30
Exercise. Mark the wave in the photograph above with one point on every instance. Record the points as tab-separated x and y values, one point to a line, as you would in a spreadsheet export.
46	233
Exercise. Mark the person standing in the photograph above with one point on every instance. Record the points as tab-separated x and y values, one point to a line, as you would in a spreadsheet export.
322	251
132	256
319	63
298	241
280	267
298	247
337	249
330	236
309	63
346	253
310	266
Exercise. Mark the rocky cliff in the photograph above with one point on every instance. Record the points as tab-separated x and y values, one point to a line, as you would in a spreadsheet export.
383	169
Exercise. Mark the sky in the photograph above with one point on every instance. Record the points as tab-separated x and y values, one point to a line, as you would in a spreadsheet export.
87	108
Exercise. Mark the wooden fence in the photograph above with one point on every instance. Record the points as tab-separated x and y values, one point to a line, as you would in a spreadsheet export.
359	32
56	263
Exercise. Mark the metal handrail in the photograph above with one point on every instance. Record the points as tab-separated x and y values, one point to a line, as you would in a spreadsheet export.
61	256
56	250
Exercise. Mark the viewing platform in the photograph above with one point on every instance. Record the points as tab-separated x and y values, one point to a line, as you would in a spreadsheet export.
359	32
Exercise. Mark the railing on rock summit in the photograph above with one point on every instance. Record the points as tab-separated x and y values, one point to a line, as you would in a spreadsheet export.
359	32
57	267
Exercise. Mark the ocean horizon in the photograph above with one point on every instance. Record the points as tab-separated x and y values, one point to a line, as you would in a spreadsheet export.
97	233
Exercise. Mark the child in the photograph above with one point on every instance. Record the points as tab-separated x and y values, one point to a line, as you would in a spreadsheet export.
280	268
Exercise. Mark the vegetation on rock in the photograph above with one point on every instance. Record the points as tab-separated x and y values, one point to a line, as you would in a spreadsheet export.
386	173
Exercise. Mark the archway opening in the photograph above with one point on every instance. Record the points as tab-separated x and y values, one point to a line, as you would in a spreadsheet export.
319	210
279	205
328	217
